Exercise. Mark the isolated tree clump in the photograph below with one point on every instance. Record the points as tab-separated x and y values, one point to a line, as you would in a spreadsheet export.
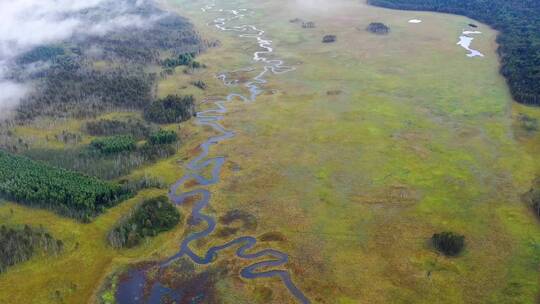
200	84
449	243
329	39
378	28
171	109
146	220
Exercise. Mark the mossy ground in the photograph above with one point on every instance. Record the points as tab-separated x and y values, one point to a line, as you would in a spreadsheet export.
419	139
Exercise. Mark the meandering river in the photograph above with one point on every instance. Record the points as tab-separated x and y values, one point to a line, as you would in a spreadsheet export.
131	290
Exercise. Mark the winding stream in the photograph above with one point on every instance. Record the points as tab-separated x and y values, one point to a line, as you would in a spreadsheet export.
131	290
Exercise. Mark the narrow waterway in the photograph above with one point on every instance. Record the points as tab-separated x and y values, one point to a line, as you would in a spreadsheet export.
131	289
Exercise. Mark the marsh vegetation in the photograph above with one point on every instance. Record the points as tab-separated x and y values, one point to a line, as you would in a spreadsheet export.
348	167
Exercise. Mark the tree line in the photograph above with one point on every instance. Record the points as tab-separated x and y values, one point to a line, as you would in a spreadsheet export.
519	41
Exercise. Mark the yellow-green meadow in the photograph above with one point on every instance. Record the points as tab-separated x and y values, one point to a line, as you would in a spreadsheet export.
349	164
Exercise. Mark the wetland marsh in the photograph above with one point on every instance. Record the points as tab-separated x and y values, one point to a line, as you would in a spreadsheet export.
317	173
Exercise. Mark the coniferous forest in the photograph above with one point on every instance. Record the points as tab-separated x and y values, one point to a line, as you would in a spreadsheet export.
519	40
68	193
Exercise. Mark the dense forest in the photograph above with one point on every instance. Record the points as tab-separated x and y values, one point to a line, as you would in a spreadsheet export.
68	193
19	245
519	41
147	219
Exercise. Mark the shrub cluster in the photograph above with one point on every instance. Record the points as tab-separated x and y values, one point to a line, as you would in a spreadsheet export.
163	137
449	243
329	39
200	84
378	28
181	60
113	144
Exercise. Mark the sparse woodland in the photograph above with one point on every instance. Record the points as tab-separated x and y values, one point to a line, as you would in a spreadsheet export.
19	245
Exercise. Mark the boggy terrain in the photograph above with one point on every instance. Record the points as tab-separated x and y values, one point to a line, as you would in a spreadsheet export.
347	165
372	145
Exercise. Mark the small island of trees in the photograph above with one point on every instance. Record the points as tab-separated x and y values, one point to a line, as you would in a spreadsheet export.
329	39
378	28
448	243
146	220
